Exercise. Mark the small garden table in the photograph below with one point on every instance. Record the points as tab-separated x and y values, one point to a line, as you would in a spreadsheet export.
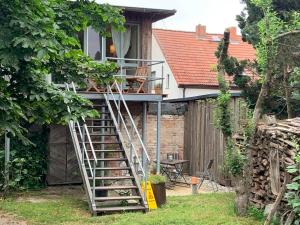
174	170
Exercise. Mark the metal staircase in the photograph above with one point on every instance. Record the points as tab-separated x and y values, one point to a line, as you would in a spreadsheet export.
112	158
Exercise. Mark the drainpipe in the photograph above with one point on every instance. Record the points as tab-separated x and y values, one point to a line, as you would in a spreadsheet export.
183	93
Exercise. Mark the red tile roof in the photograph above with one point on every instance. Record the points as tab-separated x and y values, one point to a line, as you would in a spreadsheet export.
192	58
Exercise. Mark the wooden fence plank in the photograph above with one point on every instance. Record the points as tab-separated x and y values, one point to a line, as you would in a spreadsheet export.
202	141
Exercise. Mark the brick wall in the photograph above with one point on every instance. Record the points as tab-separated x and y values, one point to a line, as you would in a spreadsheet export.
172	128
172	132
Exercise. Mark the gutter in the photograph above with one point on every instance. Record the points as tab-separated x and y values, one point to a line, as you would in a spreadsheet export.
199	97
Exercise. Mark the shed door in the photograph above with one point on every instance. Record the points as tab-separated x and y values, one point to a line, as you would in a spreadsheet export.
62	161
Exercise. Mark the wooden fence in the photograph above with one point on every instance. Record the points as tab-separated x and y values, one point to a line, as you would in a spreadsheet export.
202	141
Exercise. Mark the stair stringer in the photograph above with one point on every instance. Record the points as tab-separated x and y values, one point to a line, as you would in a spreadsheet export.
82	168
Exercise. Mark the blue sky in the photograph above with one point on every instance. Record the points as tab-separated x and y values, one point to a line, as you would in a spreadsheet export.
215	14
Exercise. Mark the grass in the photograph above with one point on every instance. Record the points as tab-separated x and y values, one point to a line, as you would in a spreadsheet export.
203	209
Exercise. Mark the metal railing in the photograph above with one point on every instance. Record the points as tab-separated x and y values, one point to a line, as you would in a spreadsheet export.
138	162
128	67
79	133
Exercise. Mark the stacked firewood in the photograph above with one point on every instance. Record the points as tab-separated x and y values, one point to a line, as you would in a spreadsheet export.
277	140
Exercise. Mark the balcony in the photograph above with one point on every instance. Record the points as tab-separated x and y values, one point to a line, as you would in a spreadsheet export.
139	79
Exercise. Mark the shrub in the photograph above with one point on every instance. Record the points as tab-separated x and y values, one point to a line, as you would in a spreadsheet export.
157	179
28	163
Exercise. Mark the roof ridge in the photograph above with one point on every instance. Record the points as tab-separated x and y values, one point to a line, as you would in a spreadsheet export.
185	31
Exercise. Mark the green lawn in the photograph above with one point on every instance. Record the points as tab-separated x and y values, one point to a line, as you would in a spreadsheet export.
203	209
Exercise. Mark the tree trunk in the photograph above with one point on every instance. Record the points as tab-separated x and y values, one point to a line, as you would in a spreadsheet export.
264	91
277	202
288	92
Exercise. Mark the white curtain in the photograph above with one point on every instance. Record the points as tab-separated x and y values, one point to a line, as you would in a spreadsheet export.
121	41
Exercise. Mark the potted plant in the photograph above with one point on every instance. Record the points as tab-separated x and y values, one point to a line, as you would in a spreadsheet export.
158	183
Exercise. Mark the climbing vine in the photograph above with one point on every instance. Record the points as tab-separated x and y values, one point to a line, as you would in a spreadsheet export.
222	112
227	65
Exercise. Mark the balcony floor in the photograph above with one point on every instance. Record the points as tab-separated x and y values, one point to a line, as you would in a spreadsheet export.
134	97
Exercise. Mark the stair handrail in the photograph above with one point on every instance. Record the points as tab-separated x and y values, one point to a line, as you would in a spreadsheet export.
129	136
82	150
87	133
145	153
86	129
132	121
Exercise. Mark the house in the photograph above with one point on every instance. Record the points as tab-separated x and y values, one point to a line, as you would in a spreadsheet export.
110	155
190	60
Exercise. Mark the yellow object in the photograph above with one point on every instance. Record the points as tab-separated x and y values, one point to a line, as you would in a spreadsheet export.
149	195
112	49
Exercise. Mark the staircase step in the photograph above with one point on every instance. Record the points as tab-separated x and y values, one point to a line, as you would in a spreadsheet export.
101	142
120	208
100	126
117	198
101	105
113	168
112	178
109	159
95	134
115	187
108	150
91	119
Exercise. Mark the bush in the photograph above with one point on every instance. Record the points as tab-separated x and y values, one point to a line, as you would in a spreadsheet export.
28	164
157	179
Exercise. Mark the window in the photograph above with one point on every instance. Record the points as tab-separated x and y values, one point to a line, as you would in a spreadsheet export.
94	44
133	51
119	44
168	81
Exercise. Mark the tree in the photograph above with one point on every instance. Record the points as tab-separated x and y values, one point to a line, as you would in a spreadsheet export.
271	31
39	38
252	14
286	60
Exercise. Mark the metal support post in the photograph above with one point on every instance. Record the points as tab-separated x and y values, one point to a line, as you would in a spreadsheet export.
94	184
83	143
158	138
7	158
144	131
102	146
162	78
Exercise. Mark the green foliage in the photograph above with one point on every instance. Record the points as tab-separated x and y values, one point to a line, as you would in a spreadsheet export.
38	39
294	187
157	179
249	18
203	209
28	165
295	83
260	23
234	161
222	117
269	27
256	213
